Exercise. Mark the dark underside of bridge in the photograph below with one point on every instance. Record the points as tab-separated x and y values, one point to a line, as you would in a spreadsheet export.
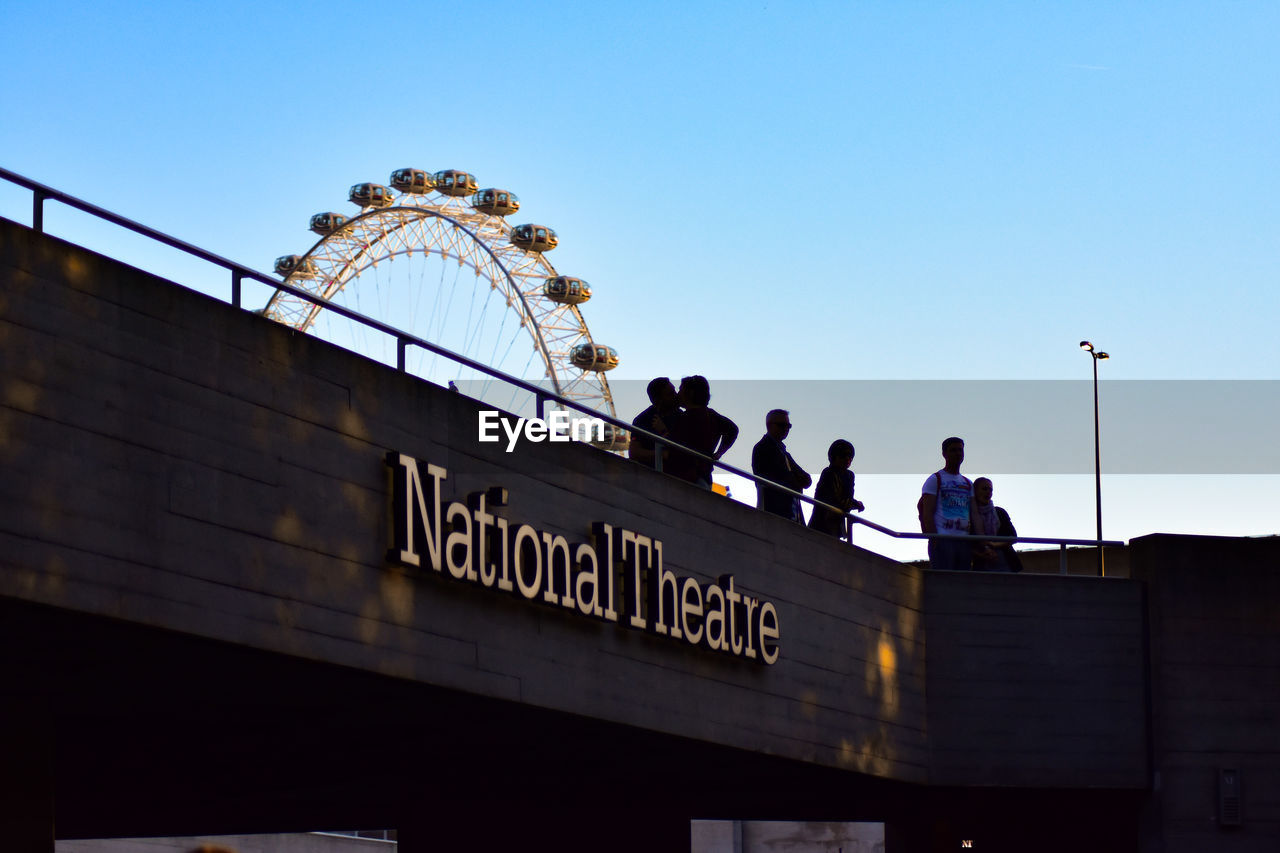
149	732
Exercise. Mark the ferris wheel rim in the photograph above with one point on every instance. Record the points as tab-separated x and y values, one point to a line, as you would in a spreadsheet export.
396	218
535	331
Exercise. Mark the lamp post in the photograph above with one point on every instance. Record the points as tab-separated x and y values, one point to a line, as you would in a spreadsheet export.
1097	451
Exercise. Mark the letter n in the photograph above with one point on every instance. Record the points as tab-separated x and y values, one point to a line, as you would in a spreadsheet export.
411	514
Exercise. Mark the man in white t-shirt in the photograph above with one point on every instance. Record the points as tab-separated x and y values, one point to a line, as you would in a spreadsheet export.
946	507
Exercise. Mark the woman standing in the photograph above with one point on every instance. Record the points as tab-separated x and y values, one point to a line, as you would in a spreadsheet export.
835	487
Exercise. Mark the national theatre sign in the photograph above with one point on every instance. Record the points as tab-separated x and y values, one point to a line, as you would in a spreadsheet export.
617	577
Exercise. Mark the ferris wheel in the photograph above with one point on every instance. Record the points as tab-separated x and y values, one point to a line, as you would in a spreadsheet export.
433	254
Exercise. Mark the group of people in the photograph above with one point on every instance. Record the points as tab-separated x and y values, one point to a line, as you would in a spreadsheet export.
950	503
686	418
771	460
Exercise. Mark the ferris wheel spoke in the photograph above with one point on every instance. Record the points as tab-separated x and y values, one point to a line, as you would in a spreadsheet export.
435	309
498	338
472	337
516	390
444	315
419	288
471	310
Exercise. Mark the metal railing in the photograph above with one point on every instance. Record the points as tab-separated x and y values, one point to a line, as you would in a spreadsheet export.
239	272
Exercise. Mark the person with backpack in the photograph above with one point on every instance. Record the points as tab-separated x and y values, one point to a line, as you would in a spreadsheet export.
946	506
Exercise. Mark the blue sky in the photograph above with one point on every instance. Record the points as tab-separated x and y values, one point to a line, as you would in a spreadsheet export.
756	191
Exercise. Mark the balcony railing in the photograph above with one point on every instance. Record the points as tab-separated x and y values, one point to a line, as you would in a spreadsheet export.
239	272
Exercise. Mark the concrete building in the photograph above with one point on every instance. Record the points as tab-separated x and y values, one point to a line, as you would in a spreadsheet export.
232	602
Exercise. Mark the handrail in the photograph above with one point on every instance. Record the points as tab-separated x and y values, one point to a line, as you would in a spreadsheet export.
42	193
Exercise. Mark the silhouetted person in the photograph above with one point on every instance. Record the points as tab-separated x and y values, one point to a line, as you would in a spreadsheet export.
994	521
659	418
835	487
699	428
945	507
770	459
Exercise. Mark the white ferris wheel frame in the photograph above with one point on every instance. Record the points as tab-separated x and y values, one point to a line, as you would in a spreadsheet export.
447	226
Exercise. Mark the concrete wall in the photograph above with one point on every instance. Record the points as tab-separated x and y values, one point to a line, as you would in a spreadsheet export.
1035	678
1214	606
177	462
310	842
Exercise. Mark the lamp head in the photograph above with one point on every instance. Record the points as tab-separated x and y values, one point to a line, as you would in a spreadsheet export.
1101	356
1085	345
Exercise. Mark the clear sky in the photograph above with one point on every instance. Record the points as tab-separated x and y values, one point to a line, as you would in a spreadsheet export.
757	191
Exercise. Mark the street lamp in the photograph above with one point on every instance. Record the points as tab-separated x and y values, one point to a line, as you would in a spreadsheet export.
1097	452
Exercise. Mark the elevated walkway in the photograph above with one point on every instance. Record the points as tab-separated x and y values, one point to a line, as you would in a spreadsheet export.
195	497
211	622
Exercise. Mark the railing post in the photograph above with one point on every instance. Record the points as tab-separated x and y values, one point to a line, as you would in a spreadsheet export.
1062	558
236	278
401	344
37	211
542	405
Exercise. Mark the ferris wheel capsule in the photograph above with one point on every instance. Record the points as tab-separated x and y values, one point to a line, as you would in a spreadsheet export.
593	356
566	290
416	181
325	224
534	238
295	266
370	195
455	183
495	202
